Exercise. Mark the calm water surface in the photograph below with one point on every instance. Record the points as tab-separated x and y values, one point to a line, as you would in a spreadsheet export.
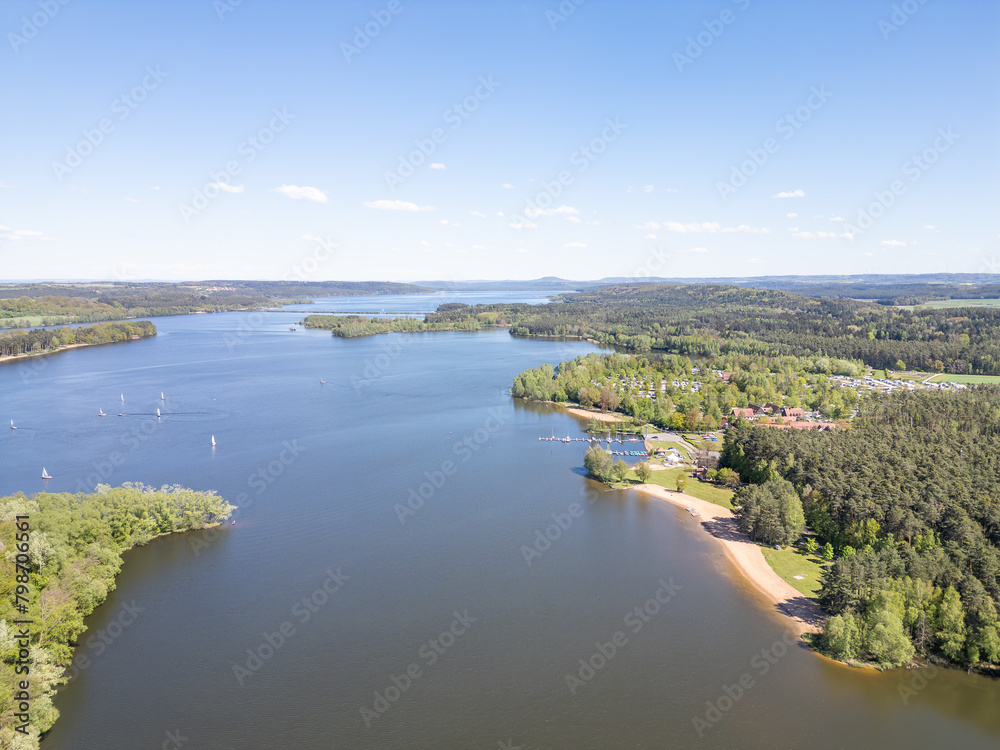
410	485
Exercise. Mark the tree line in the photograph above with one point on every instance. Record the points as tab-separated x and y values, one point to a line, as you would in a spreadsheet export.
13	343
74	556
908	500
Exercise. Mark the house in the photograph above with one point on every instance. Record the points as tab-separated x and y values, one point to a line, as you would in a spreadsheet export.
788	411
739	413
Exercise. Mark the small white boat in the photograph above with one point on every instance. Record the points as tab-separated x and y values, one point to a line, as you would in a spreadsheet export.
162	398
157	413
100	413
322	382
213	441
45	474
12	425
123	398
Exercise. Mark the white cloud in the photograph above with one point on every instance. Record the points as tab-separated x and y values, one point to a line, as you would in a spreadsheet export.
630	189
508	186
694	250
892	243
649	225
479	247
450	223
790	194
518	224
385	205
532	213
480	214
791	216
425	243
710	227
227	188
131	200
438	165
521	250
649	236
575	244
837	218
928	226
574	219
647	189
28	233
298	193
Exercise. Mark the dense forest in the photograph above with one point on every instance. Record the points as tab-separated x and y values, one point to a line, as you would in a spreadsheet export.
709	320
14	343
909	502
66	567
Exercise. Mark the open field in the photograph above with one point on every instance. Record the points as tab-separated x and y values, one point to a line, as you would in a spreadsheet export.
789	562
940	304
711	493
946	378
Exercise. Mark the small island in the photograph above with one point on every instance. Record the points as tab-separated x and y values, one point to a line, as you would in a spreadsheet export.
20	344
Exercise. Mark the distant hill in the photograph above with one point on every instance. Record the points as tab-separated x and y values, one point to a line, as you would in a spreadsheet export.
887	288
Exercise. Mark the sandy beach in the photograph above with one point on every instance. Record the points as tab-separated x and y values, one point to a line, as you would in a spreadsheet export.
600	416
747	557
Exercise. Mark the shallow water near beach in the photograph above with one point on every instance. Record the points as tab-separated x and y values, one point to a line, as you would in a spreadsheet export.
411	567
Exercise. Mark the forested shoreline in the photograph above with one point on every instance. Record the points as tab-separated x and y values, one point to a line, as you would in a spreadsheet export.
72	546
909	502
23	343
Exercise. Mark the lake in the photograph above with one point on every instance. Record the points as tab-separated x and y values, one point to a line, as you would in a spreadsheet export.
410	567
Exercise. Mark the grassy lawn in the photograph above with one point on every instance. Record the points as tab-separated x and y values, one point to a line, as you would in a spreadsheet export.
706	491
792	561
946	378
943	303
33	320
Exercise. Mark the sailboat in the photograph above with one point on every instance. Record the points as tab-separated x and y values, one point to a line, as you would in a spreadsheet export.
12	425
100	413
123	398
162	398
157	413
45	474
322	382
213	441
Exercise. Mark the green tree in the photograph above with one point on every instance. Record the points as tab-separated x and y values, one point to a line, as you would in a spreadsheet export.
828	552
681	481
812	545
886	640
599	463
620	470
841	637
643	471
951	625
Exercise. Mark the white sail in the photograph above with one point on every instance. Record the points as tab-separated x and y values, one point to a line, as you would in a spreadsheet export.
161	396
213	440
12	425
100	413
123	398
45	474
157	413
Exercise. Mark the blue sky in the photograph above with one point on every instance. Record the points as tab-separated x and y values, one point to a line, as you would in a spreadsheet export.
406	140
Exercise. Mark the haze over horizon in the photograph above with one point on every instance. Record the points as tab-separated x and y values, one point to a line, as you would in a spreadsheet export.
390	140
